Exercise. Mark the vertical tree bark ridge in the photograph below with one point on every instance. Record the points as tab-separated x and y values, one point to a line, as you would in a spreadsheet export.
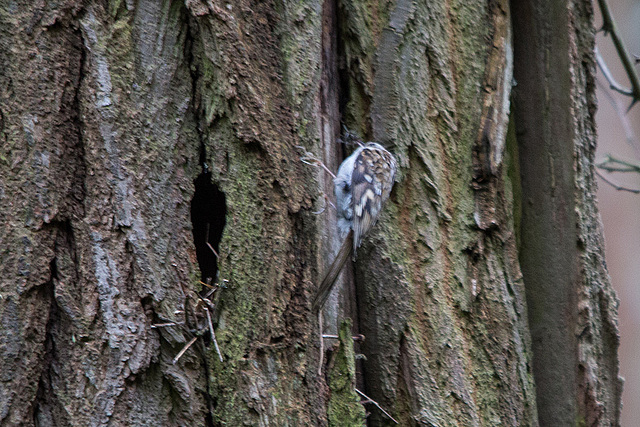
96	108
600	385
342	302
440	291
258	67
572	307
41	187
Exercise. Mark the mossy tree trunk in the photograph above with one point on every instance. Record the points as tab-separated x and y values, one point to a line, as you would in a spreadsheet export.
140	137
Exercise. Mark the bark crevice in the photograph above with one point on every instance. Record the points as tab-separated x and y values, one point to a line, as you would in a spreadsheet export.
44	402
208	216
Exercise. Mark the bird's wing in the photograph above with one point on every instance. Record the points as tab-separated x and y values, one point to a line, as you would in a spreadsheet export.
371	184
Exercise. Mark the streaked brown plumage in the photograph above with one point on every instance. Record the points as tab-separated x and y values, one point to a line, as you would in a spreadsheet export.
363	184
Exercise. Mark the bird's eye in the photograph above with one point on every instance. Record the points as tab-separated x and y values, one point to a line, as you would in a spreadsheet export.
346	188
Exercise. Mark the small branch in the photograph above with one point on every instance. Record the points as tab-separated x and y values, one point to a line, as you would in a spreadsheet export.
613	164
613	84
357	338
185	348
617	186
213	250
609	26
333	337
321	362
370	400
311	160
213	334
206	239
209	293
624	119
164	325
208	285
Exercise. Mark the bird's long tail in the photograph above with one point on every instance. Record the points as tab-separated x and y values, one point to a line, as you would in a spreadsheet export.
324	290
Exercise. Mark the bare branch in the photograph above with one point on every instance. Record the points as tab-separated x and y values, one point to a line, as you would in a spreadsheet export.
624	119
370	400
609	27
357	338
213	334
206	239
164	325
321	362
310	159
613	84
184	349
613	164
617	186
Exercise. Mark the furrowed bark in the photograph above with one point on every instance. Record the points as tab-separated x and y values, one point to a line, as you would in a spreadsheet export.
438	281
572	307
99	153
148	146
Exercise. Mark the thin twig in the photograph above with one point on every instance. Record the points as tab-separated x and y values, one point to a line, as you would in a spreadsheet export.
609	26
209	293
311	160
212	287
617	186
321	362
370	400
185	348
213	334
164	325
213	250
624	119
613	84
323	208
317	163
206	239
358	337
613	164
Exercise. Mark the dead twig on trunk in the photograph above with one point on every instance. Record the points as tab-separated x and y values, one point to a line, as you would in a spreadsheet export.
370	400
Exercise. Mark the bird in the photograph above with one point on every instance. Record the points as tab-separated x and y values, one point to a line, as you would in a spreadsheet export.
362	186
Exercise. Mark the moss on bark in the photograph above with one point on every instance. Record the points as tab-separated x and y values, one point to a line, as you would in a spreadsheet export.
345	409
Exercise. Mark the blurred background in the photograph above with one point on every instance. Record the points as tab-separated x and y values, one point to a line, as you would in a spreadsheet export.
619	135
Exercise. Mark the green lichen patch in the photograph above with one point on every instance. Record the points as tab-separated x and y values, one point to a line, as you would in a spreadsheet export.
344	404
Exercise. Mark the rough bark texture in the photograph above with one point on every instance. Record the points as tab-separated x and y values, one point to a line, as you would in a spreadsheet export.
344	408
440	293
572	307
99	154
135	133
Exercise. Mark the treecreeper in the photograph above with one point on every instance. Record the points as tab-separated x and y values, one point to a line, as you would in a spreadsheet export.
362	186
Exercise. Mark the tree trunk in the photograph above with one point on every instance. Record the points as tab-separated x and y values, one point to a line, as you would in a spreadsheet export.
572	307
151	155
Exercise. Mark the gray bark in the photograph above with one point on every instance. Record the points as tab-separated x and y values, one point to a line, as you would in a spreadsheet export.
572	307
133	133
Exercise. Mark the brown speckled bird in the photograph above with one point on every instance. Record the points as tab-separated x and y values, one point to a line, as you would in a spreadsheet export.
363	184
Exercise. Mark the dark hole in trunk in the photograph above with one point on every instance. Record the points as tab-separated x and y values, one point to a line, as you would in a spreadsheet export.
208	216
